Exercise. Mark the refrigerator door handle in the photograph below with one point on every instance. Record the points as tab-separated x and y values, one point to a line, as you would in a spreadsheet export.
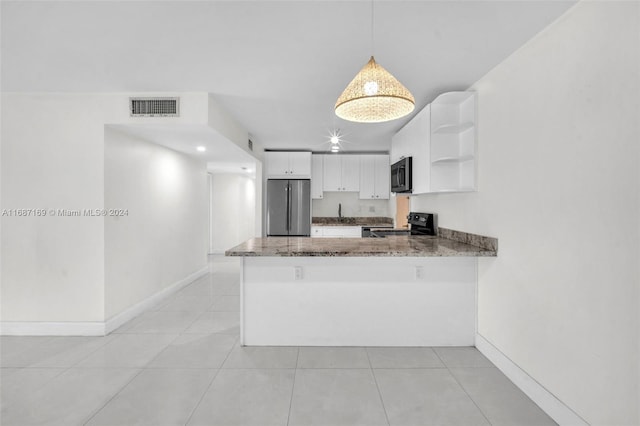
288	207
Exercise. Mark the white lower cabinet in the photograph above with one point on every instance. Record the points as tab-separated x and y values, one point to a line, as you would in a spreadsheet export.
336	231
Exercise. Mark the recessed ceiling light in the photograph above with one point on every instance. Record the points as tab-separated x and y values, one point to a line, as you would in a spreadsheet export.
335	139
201	149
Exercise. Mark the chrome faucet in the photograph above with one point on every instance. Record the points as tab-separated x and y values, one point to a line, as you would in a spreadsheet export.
340	210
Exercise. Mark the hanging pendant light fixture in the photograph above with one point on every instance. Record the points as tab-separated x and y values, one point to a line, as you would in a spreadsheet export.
374	95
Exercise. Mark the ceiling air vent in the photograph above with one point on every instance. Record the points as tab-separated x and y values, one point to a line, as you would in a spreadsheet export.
154	107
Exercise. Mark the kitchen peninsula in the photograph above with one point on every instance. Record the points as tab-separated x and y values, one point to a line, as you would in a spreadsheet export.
393	291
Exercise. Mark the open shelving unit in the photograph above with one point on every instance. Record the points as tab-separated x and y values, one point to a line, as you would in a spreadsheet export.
453	142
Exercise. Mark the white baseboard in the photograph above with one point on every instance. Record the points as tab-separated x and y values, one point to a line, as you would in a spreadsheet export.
135	310
96	328
52	328
548	402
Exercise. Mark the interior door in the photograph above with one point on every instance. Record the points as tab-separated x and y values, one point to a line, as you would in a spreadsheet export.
300	202
277	202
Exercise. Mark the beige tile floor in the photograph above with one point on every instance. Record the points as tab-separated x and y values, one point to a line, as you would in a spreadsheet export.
181	364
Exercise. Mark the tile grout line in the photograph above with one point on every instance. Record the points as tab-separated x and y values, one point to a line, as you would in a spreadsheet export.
375	379
63	370
140	371
95	412
143	368
293	386
217	371
462	387
211	382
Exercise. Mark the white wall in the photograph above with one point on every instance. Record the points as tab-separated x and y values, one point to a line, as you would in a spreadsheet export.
233	207
351	206
52	158
559	186
226	125
53	148
164	237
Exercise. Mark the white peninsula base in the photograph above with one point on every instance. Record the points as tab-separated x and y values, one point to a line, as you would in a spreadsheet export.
358	301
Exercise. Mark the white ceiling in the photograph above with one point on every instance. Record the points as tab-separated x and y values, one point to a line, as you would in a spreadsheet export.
221	155
278	67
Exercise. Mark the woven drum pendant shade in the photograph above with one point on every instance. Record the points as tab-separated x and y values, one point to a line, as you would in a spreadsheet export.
374	96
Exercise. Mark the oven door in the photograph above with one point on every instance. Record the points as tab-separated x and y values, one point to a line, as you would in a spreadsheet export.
401	176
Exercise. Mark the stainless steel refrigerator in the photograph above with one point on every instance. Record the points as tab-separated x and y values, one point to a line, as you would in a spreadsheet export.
288	207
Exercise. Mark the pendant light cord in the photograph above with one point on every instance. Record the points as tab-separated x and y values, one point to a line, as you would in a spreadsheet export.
372	43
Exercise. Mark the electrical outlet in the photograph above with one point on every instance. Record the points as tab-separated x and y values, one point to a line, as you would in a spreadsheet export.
419	272
297	272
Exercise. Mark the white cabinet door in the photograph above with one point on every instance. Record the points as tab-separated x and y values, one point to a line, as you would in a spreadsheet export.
350	173
316	232
374	177
352	232
296	165
381	176
367	182
332	175
400	146
420	148
300	165
413	140
341	231
277	164
317	189
341	173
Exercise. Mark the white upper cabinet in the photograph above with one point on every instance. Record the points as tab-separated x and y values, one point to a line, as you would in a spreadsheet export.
317	176
350	173
413	141
441	141
374	177
332	173
295	165
341	173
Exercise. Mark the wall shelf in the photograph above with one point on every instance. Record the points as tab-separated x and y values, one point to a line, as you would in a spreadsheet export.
453	128
442	141
459	159
453	143
442	191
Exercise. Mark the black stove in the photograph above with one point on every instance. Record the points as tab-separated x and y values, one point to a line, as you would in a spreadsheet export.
419	224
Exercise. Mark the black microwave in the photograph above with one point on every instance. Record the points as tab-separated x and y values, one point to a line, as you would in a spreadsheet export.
401	176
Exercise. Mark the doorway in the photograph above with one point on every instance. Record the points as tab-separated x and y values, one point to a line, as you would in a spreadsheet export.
402	211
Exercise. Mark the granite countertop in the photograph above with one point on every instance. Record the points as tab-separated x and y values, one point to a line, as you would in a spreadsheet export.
391	246
352	221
